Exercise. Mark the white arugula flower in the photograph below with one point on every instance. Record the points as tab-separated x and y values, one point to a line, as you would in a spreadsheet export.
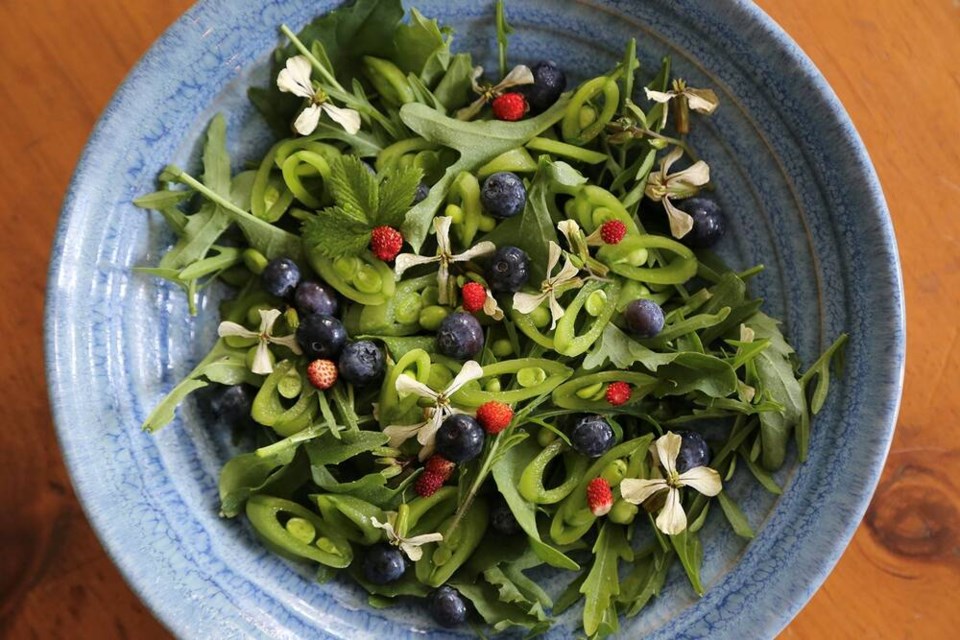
519	75
445	257
261	361
700	100
671	519
426	431
527	302
410	546
295	79
663	185
492	308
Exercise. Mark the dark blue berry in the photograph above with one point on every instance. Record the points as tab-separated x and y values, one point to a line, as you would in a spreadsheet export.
233	404
592	436
383	564
460	438
447	607
361	363
709	222
312	298
502	519
644	318
548	83
321	336
694	451
509	270
423	190
503	195
280	277
460	336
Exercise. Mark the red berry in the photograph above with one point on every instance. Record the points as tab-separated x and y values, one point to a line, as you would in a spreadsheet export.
428	484
618	393
494	416
599	497
385	242
510	107
474	295
440	466
612	231
322	374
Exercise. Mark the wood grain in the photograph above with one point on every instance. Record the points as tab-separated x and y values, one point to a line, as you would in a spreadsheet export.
894	64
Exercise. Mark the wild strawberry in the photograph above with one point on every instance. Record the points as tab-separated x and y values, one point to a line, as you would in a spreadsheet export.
612	231
510	107
474	295
428	484
494	416
599	497
440	466
618	393
322	374
385	242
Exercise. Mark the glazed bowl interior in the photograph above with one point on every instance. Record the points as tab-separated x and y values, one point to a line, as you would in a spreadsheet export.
802	200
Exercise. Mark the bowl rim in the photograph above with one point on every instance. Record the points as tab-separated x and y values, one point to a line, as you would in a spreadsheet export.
114	116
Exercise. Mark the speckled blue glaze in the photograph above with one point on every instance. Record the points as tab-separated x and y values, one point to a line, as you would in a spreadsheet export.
789	168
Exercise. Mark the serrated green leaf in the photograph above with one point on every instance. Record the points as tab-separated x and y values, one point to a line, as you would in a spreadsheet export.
333	233
603	583
354	188
398	188
421	48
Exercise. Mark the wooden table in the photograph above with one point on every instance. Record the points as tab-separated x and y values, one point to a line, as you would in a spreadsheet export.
894	64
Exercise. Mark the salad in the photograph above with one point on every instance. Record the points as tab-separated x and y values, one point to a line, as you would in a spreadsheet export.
477	327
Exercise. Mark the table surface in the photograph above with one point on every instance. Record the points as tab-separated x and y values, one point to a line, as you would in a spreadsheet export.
893	64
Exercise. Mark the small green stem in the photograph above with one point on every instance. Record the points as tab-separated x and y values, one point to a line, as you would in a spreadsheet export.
302	48
503	29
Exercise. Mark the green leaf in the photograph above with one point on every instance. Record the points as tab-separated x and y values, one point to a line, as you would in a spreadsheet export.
645	581
244	475
398	347
690	551
603	583
735	516
503	32
691	371
398	188
354	188
498	614
334	233
570	595
455	88
163	199
421	48
327	449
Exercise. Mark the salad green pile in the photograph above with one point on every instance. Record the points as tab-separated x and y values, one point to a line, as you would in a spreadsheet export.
534	346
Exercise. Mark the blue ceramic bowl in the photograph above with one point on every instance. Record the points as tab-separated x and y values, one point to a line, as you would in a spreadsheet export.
788	166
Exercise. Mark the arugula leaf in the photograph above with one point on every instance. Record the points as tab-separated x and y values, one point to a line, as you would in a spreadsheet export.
570	595
454	88
498	614
603	582
327	449
249	473
690	551
421	48
645	581
691	371
735	516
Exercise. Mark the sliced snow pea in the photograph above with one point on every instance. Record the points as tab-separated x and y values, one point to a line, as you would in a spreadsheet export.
578	393
573	519
399	315
441	559
391	156
351	517
621	258
302	534
531	485
269	196
564	150
527	325
362	278
388	80
515	161
415	363
269	410
593	205
464	203
567	342
473	395
425	515
572	126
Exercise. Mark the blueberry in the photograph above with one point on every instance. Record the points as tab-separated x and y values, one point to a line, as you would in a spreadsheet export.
313	298
548	83
592	436
709	222
423	190
694	451
280	277
383	564
233	404
460	438
509	270
447	607
503	195
460	336
321	336
644	318
361	363
502	519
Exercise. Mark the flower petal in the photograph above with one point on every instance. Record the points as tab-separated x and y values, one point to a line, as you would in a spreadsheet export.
295	77
290	342
639	491
659	96
703	479
406	260
306	123
668	448
746	333
346	118
399	434
492	308
553	257
526	302
228	328
475	76
470	371
261	360
443	283
567	273
568	228
386	526
477	250
680	222
672	520
425	538
702	100
268	317
428	433
470	112
556	310
407	384
675	154
520	74
441	225
682	182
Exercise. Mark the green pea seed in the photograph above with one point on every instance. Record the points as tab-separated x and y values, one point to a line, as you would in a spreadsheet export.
502	348
588	392
253	313
302	530
596	302
545	436
347	266
407	309
430	296
292	318
581	517
486	223
493	386
454	212
326	544
540	317
431	317
290	385
588	115
252	354
657	143
623	512
367	280
530	376
442	556
236	276
614	472
254	260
